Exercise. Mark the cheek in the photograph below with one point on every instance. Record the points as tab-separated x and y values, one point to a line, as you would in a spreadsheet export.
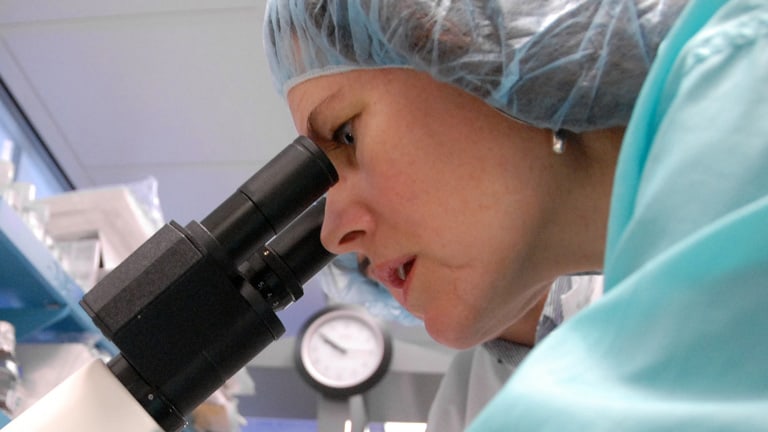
467	306
392	178
453	303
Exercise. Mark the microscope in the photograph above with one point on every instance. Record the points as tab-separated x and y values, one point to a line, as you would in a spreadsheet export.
194	304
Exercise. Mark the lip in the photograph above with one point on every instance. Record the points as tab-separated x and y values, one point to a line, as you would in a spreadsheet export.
387	273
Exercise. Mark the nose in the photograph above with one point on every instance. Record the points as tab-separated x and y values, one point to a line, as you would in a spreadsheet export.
347	222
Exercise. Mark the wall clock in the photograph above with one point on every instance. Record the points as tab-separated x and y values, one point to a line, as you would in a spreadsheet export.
342	350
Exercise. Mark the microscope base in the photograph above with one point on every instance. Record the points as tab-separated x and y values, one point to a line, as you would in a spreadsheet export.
90	400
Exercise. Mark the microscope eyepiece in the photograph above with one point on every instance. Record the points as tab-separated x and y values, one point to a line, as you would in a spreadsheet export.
272	198
280	269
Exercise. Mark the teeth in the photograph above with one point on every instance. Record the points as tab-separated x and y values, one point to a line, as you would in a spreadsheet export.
401	272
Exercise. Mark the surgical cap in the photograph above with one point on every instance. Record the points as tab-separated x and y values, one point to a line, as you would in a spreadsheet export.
555	64
343	282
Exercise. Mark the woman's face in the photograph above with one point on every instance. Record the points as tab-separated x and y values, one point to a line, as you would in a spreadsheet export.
449	199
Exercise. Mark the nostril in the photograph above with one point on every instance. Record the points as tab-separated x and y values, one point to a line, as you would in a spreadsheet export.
351	237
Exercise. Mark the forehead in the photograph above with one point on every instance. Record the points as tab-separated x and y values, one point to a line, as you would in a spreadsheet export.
310	95
319	93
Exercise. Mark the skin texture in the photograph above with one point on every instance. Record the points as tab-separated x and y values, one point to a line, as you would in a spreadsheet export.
478	202
522	331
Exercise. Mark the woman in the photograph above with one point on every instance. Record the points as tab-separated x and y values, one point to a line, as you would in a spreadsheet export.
442	118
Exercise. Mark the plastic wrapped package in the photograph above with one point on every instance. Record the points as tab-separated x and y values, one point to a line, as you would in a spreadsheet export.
9	369
119	218
146	194
219	413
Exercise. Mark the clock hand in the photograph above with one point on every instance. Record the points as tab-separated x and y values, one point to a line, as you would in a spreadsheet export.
333	344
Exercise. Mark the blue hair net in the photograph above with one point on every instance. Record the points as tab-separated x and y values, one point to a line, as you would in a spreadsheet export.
570	64
343	282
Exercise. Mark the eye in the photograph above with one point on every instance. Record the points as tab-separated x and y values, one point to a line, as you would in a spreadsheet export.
343	135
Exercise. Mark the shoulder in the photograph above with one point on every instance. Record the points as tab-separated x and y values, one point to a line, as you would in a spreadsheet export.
704	96
740	27
731	40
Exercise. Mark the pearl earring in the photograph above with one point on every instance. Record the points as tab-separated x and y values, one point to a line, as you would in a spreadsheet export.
558	142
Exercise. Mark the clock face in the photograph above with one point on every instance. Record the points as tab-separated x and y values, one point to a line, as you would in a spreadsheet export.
343	351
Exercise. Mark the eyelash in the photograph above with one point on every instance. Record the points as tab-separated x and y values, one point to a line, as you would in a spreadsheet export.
343	136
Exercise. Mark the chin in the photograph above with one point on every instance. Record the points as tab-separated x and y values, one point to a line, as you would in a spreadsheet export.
453	334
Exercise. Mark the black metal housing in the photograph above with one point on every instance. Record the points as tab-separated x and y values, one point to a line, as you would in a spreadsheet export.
186	309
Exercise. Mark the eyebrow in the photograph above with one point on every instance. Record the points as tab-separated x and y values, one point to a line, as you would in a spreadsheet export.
316	112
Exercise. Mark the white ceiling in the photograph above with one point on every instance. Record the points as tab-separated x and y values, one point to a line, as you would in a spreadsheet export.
121	90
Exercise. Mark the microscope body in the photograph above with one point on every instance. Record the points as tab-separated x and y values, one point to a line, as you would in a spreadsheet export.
194	304
193	328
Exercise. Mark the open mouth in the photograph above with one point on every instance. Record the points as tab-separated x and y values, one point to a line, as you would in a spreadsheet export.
403	270
395	274
398	275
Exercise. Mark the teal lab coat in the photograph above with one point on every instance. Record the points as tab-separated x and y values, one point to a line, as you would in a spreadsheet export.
679	342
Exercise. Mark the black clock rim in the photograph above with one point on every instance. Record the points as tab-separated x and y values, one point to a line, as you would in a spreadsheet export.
344	392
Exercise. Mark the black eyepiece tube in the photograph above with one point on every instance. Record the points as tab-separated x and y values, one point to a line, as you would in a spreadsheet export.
271	199
299	245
